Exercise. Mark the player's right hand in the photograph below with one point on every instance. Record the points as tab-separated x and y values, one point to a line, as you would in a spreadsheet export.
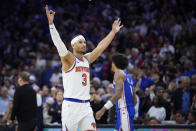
50	15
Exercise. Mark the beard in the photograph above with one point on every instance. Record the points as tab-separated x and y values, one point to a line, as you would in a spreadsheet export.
81	52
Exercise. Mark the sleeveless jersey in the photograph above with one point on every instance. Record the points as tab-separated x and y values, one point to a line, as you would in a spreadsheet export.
76	81
127	95
125	106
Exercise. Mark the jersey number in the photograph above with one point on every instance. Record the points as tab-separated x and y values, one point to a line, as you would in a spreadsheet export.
84	79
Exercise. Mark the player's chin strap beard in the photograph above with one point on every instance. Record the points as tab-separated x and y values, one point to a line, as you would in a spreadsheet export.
79	52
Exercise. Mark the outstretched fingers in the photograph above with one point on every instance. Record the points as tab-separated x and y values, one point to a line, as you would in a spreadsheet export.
121	26
46	7
47	11
119	22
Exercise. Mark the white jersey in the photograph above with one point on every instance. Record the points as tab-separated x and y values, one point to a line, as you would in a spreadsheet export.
76	81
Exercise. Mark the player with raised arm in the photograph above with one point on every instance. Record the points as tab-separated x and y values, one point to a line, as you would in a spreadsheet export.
76	109
124	96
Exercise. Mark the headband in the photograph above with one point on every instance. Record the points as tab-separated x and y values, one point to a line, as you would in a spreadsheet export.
76	39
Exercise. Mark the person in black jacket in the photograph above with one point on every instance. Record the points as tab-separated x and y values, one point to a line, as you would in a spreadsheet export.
97	103
25	104
182	97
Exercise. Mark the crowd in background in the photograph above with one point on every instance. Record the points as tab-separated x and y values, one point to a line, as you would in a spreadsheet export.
158	38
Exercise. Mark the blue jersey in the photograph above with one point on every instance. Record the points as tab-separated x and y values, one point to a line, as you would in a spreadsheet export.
125	106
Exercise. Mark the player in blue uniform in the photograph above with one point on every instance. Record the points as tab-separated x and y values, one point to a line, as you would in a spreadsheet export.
124	96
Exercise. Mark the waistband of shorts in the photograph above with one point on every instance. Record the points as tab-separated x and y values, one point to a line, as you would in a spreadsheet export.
76	100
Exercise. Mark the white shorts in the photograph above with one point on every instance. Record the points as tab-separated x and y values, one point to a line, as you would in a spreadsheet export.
77	116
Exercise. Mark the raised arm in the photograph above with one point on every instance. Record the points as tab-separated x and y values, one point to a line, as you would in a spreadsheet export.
92	56
119	78
67	57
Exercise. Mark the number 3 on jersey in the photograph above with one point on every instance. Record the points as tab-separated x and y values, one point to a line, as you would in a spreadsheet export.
84	83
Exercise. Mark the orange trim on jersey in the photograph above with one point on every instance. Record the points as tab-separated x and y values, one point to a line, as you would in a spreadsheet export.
71	67
79	59
87	59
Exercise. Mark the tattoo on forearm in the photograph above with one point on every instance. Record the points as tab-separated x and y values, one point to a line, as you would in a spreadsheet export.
117	95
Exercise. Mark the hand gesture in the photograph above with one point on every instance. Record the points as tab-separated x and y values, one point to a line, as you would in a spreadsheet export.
116	26
50	15
100	113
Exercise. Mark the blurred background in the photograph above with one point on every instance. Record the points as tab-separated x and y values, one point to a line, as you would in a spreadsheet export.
159	39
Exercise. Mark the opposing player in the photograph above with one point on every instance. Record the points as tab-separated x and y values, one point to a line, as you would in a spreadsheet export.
124	96
76	110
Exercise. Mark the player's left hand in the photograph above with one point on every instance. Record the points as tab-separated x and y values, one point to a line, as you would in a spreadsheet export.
116	26
100	113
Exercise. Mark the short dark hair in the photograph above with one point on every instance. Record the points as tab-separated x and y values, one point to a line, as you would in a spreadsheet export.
24	76
180	112
120	61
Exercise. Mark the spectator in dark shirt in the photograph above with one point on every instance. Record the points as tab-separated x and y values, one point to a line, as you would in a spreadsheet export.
25	104
192	117
96	104
55	109
180	117
182	97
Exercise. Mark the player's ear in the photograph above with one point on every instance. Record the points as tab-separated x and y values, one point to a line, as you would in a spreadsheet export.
72	45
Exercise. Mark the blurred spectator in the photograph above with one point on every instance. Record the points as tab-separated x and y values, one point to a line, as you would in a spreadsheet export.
135	58
109	92
157	81
136	117
45	93
97	103
193	81
100	92
152	121
175	30
4	100
165	100
55	109
33	82
40	62
189	70
55	78
111	112
98	68
47	119
182	97
53	92
193	106
144	79
7	117
96	82
10	87
47	73
180	117
191	117
157	110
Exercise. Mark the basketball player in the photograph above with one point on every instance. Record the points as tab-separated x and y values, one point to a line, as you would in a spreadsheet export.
124	96
76	110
